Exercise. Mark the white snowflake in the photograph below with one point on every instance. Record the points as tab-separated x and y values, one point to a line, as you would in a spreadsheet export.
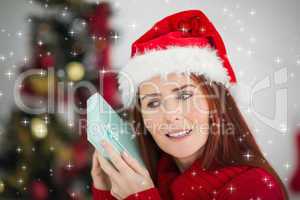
194	173
252	12
231	188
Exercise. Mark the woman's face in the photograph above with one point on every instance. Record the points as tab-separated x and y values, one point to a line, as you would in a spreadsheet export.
175	112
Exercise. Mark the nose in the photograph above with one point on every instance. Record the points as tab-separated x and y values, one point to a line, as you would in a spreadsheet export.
171	112
171	117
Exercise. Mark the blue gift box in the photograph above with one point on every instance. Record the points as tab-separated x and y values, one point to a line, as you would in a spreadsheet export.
104	123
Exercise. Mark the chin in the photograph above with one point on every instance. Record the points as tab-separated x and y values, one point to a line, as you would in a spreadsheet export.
182	148
183	152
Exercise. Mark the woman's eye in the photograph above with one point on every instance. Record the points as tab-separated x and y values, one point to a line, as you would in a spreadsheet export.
185	95
153	104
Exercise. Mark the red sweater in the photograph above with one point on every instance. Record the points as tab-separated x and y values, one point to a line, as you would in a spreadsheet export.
233	182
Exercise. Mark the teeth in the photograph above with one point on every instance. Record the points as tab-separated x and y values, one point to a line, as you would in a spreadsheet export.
179	134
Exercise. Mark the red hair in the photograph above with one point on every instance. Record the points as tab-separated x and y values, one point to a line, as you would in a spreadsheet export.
221	148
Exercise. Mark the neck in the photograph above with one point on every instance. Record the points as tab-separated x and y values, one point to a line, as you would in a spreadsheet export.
185	162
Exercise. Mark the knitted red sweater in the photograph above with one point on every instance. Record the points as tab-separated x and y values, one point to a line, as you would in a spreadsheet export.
234	183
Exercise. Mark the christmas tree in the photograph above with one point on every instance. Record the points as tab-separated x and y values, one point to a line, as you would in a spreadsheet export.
45	151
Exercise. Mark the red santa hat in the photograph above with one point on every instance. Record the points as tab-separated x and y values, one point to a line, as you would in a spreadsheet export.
183	42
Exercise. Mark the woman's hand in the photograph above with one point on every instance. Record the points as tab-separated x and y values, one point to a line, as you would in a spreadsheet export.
100	179
126	174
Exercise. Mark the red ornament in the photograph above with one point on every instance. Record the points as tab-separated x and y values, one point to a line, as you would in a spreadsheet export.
47	61
39	190
80	151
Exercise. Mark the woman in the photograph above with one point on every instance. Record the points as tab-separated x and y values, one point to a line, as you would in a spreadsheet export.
192	136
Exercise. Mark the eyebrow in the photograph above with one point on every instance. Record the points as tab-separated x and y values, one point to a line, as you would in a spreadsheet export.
150	95
173	90
182	87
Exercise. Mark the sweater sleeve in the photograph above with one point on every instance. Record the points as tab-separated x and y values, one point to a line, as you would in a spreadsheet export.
151	193
98	194
256	183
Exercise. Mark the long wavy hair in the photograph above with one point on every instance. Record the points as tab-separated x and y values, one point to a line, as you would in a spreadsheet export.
221	148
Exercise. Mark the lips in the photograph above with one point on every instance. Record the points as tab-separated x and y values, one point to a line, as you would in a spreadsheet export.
179	134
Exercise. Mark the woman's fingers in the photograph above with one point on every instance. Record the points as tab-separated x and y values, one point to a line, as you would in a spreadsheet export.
134	164
116	158
108	168
95	164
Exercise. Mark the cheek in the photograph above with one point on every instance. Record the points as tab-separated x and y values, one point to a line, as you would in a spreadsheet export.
198	113
198	116
152	124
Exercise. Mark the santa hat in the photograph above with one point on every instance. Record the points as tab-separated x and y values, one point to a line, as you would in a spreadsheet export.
183	42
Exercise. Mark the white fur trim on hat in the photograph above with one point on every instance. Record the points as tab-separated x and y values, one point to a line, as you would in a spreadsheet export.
163	61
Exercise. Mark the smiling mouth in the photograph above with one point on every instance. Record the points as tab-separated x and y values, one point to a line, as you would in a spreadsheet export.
179	134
